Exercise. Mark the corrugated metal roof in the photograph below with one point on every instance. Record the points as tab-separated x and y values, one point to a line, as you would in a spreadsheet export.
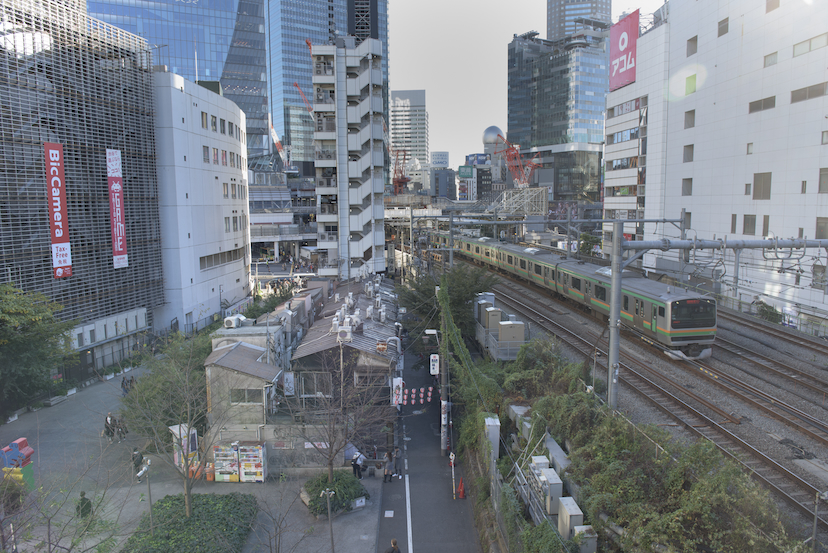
243	358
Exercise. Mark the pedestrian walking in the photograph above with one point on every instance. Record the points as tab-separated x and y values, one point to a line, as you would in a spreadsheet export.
131	382
389	467
124	387
398	462
84	506
356	464
137	461
109	426
121	429
393	548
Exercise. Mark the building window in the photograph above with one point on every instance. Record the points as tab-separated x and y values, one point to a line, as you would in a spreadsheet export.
749	226
724	25
771	5
692	45
80	339
733	224
227	224
206	153
224	157
765	225
249	395
690	119
203	119
810	45
821	228
222	127
235	224
770	59
686	187
215	156
762	105
232	159
801	233
688	153
823	180
689	85
749	148
824	137
213	123
747	189
225	188
688	219
804	187
233	190
230	129
809	92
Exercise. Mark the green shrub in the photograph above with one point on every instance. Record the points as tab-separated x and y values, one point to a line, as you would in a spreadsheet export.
219	523
345	485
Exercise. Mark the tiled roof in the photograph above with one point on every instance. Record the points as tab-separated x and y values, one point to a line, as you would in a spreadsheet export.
243	358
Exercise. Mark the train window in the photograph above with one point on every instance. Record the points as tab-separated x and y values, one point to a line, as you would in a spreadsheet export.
661	311
509	260
636	306
566	278
576	283
588	287
538	269
477	249
626	303
553	275
486	253
522	263
601	293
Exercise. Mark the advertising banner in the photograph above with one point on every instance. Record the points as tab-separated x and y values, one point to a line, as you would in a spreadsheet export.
115	178
478	159
397	385
623	42
58	220
465	172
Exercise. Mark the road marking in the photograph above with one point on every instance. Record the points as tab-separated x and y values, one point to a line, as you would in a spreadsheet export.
408	514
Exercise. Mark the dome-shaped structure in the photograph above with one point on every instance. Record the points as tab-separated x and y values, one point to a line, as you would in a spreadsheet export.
490	135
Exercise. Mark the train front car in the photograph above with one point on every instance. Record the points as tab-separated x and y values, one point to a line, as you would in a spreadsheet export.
692	327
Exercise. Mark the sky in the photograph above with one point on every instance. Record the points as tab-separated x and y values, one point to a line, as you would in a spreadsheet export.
456	51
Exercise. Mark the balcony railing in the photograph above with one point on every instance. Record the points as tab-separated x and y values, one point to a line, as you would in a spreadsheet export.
261	231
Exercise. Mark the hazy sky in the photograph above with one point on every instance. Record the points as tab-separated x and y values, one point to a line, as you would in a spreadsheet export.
456	50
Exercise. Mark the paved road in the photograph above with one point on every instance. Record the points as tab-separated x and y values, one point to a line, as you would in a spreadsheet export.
420	510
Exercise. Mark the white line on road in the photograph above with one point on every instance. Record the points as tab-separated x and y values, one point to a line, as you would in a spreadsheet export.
408	515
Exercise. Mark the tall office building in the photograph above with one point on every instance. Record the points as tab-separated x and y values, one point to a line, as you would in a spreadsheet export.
726	120
212	41
561	15
349	169
409	124
556	94
290	24
78	107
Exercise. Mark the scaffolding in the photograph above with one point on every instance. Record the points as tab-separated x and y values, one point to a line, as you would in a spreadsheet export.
525	201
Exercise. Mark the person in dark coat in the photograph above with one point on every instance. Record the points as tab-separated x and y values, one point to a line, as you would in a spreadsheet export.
389	467
84	506
393	548
137	461
109	426
398	462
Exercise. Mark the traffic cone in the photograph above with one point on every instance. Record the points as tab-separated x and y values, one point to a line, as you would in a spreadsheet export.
461	490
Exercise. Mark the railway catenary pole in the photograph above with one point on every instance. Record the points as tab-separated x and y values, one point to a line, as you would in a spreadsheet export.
642	246
451	240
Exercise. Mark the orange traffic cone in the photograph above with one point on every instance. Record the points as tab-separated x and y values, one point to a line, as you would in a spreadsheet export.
461	490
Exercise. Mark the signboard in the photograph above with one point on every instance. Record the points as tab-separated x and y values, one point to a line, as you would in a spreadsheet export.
465	172
382	347
114	175
434	364
58	220
397	385
439	159
478	159
623	51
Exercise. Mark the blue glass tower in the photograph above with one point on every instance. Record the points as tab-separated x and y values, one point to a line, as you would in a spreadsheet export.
291	23
206	40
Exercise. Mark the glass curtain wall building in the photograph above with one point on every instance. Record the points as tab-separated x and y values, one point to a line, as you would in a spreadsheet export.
290	24
562	15
206	40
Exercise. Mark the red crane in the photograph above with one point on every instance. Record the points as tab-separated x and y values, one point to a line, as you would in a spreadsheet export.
305	99
400	180
521	171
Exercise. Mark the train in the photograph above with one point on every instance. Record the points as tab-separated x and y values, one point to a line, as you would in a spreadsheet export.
681	321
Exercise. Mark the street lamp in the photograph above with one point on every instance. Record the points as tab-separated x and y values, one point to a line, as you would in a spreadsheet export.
145	471
443	396
329	492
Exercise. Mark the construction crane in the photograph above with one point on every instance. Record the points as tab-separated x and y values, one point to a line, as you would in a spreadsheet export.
279	147
304	99
400	179
521	171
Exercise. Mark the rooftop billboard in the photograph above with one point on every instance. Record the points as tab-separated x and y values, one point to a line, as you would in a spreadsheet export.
623	52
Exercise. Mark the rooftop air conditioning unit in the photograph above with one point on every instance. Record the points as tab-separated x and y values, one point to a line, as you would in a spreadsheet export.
344	334
377	302
234	321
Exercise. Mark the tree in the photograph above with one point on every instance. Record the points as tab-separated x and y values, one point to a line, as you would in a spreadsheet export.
588	243
463	283
33	341
173	392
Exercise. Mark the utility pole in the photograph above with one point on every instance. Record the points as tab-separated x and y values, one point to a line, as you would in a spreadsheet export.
443	387
614	316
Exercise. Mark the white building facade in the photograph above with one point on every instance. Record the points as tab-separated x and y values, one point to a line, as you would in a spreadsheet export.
348	106
202	167
736	117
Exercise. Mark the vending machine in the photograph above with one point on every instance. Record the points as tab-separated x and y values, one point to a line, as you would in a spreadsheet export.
252	461
226	461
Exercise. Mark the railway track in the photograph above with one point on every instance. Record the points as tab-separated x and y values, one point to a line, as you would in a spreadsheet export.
793	489
783	333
